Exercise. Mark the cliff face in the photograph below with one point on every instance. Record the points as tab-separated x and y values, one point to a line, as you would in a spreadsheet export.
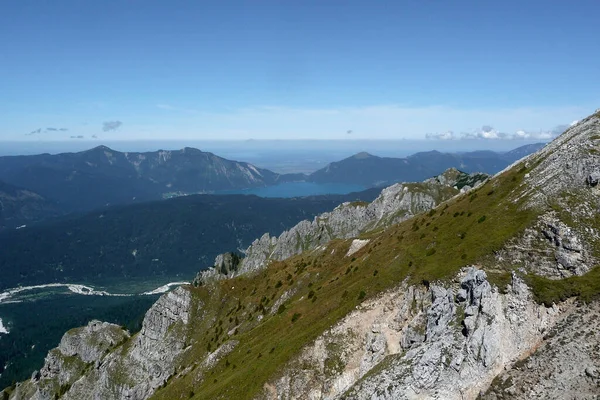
101	361
445	342
395	204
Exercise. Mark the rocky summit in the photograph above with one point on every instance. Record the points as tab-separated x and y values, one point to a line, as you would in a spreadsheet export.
435	290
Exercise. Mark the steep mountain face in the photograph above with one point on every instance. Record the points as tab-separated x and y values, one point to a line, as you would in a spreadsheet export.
164	238
490	294
395	204
369	170
101	356
415	342
20	206
101	176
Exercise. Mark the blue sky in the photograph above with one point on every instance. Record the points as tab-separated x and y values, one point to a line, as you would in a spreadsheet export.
330	69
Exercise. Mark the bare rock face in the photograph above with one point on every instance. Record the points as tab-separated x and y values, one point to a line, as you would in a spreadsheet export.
569	254
395	204
101	362
565	366
92	341
445	342
79	350
551	248
569	163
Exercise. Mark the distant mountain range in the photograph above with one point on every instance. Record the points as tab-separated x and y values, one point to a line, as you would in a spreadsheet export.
369	170
102	176
96	178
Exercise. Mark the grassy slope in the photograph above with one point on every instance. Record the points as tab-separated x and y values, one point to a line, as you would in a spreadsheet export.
327	286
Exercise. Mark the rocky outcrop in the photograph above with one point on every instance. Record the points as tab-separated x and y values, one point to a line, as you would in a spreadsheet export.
226	264
551	248
91	342
395	204
79	350
565	366
568	164
90	364
444	342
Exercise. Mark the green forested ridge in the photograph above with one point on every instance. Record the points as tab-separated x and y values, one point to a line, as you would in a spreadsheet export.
177	236
19	206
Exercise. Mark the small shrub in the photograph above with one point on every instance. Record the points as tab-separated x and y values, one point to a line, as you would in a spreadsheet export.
361	295
281	309
278	284
480	220
296	316
375	273
430	252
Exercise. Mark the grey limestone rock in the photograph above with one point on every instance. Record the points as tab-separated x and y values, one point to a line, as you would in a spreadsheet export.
411	343
395	204
567	164
89	364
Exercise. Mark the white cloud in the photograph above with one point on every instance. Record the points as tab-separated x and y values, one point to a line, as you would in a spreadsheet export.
541	134
448	135
487	132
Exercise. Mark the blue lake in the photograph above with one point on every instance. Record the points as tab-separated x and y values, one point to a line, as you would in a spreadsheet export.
299	189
